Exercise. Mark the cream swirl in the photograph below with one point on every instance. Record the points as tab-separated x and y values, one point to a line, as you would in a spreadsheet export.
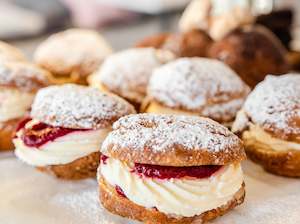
62	150
14	103
258	135
181	197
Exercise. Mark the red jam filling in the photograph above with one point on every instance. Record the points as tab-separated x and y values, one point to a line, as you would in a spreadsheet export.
169	172
103	158
41	133
22	123
120	191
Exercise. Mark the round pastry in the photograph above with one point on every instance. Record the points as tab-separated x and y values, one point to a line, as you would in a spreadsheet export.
127	73
18	83
196	86
170	169
269	124
72	55
10	53
155	41
66	127
188	44
253	52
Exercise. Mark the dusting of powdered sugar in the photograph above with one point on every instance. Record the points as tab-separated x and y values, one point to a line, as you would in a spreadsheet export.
275	103
74	49
23	75
75	106
163	132
127	72
196	83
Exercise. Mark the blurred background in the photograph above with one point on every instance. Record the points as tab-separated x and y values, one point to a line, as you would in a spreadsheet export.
25	23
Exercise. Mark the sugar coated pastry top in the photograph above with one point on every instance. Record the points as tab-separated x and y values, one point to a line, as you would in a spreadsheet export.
75	106
200	85
23	75
73	50
274	104
172	140
127	73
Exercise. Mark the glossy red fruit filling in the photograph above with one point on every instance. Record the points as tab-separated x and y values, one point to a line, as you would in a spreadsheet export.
22	123
41	133
169	172
103	158
120	191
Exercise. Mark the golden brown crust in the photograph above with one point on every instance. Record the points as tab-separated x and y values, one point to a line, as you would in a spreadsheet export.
7	130
172	140
155	41
253	52
122	206
85	167
194	43
284	163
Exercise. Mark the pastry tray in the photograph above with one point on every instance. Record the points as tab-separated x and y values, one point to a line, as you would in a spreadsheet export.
30	197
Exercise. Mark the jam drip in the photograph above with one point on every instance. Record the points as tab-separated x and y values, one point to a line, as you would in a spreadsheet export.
41	133
169	172
120	191
103	158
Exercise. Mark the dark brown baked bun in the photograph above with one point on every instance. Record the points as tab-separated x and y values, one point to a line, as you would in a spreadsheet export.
66	128
253	52
18	83
72	55
155	41
269	124
126	73
196	86
194	43
163	169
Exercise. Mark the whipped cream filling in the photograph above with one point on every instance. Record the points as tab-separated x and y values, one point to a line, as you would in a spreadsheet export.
180	197
256	134
62	150
14	103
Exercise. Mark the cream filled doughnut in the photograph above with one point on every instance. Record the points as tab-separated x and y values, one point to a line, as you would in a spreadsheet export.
127	73
269	124
196	86
19	82
66	127
170	169
72	55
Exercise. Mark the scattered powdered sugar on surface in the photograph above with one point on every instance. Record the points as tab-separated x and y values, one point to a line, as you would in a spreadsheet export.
275	103
74	47
23	75
29	196
127	72
163	132
75	106
193	83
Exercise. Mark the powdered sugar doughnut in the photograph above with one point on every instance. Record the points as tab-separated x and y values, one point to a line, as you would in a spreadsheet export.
127	73
196	86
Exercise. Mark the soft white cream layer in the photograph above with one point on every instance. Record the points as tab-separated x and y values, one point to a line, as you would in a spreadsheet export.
14	103
62	150
180	197
257	134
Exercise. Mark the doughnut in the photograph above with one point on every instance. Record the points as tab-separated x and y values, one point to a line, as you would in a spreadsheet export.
170	169
19	81
126	73
196	86
65	129
72	55
253	52
269	125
